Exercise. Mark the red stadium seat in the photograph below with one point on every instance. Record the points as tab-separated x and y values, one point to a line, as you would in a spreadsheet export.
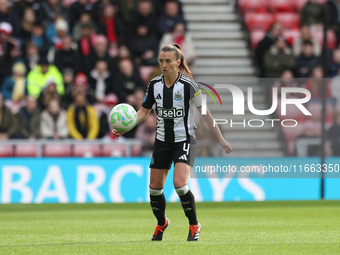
291	35
114	150
331	38
258	21
292	133
25	150
86	150
253	5
299	4
256	37
281	5
6	151
57	150
288	20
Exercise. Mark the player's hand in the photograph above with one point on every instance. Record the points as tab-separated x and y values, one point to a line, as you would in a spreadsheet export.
226	146
117	133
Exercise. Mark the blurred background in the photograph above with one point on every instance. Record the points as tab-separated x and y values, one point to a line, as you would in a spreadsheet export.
66	63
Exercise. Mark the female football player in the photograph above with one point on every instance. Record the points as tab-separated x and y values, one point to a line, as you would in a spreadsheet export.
175	94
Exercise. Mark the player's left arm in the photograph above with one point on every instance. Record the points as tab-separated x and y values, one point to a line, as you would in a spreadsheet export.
197	101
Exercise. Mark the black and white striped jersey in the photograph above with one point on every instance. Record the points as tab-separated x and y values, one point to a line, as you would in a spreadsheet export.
174	107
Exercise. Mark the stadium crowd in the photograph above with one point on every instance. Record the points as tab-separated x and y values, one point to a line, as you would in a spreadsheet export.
65	64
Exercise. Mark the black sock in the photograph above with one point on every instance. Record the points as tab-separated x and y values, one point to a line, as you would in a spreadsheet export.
158	207
189	207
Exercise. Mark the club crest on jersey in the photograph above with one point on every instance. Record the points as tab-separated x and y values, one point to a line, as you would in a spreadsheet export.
178	96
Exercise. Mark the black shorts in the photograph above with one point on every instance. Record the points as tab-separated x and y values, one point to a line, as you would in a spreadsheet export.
164	153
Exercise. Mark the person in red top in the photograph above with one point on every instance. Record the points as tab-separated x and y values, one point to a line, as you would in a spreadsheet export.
314	84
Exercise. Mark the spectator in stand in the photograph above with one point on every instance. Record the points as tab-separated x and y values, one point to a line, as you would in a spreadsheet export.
160	6
68	76
19	7
311	13
182	38
14	87
306	62
7	121
127	79
80	84
146	132
85	43
286	81
12	56
82	121
39	38
53	123
37	78
333	8
99	5
111	100
305	35
124	52
335	87
7	15
51	9
144	15
56	32
100	52
26	25
31	56
264	45
28	120
335	65
170	17
144	46
315	83
278	59
85	19
333	135
100	81
6	38
76	9
67	57
48	93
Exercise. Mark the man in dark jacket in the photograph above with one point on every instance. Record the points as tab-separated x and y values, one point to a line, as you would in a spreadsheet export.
7	127
28	120
306	62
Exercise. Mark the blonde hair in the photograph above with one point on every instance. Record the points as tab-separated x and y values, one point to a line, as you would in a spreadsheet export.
183	67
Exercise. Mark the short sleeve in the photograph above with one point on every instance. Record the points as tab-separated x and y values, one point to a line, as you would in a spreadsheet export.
149	98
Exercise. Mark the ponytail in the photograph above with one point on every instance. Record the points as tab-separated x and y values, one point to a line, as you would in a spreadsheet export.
183	67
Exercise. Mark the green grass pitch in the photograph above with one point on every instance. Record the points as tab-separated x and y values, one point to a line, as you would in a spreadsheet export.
300	227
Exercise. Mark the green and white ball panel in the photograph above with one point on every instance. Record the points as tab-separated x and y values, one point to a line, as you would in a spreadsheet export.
123	117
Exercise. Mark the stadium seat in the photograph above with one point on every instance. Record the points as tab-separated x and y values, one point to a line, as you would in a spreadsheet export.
291	133
331	38
281	5
25	150
288	20
6	151
291	35
114	150
253	5
258	21
57	150
256	37
299	4
86	150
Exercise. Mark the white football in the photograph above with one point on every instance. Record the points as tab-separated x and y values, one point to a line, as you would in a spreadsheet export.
123	117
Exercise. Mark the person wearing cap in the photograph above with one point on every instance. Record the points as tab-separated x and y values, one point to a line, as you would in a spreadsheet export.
6	38
37	78
14	86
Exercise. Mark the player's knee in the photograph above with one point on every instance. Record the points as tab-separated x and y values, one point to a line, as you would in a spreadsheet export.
181	191
155	192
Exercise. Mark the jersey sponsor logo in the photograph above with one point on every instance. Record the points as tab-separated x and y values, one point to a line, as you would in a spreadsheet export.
170	113
178	96
159	96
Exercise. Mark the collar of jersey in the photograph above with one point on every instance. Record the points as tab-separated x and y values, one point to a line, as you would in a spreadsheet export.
179	76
